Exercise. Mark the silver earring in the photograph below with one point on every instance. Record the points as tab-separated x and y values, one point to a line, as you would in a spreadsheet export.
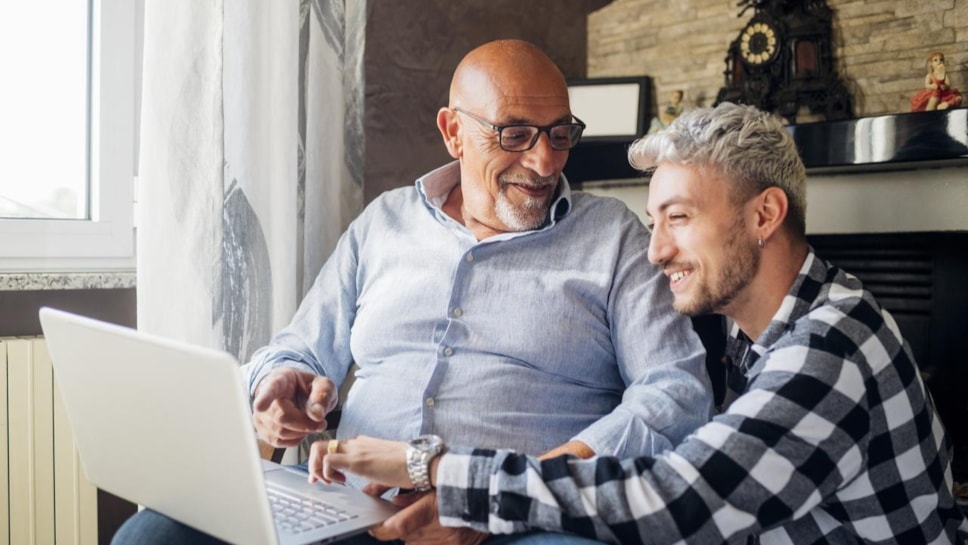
760	243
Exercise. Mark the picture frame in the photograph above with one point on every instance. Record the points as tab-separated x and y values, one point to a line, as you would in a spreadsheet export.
615	109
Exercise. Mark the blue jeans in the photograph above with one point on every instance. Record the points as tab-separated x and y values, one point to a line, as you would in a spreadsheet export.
149	527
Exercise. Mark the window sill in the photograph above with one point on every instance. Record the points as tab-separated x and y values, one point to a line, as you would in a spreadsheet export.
67	281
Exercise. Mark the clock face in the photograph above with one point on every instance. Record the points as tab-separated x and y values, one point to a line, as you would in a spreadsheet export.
758	43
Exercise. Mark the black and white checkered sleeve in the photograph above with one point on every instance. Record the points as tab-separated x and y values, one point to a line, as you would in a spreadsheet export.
833	439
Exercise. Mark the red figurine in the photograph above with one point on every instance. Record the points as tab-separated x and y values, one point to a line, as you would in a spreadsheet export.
937	93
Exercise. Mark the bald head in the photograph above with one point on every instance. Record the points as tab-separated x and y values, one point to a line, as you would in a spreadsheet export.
504	71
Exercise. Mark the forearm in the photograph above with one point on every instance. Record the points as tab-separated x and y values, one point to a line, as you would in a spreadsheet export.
464	479
268	358
574	448
317	338
655	415
311	343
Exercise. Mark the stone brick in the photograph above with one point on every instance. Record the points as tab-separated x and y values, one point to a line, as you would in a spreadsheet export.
850	12
920	7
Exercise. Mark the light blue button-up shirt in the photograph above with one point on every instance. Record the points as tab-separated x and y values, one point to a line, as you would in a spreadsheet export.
522	340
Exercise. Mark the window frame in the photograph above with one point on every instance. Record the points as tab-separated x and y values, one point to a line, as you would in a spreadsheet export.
106	241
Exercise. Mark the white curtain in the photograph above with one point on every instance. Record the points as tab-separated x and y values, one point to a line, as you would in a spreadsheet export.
250	164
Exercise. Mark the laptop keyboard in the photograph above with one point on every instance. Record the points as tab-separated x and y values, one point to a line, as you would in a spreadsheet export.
297	514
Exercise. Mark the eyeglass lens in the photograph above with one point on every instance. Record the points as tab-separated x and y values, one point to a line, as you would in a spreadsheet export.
524	137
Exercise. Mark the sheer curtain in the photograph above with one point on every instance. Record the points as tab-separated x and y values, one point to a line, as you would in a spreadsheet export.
251	161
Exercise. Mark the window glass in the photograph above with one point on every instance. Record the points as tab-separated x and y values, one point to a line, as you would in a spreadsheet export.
44	54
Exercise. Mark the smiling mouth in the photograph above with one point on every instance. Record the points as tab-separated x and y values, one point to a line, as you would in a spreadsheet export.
533	190
678	277
532	186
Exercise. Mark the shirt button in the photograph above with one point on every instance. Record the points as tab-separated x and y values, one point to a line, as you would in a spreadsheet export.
458	312
448	351
430	402
470	258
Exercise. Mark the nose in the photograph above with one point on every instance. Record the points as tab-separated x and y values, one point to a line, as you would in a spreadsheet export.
541	158
661	248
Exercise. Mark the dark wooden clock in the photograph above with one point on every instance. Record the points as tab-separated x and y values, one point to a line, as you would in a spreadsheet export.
781	61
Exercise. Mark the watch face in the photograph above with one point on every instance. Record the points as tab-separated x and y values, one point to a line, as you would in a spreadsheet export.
425	443
758	43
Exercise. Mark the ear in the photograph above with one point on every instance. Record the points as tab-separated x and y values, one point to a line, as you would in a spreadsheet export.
450	131
771	211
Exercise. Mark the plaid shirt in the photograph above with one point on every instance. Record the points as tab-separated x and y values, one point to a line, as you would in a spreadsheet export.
832	440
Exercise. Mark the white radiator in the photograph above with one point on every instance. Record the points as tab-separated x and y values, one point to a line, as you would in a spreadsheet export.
47	500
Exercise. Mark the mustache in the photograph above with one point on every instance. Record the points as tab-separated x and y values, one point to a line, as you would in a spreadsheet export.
675	266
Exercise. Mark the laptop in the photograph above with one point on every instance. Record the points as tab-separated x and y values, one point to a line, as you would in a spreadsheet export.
167	425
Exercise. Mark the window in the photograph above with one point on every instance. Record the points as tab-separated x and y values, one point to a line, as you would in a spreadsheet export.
66	176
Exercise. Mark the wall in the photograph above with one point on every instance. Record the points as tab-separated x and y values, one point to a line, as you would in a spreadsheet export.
880	46
412	48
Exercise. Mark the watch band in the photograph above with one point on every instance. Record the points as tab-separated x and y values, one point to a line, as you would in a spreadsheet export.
418	469
420	451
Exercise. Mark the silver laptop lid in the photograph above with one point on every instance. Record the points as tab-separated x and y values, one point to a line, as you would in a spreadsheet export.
162	424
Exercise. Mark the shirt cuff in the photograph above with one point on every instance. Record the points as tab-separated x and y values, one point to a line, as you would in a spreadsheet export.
253	374
463	487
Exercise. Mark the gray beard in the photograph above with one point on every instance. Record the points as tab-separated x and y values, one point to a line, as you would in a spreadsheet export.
525	217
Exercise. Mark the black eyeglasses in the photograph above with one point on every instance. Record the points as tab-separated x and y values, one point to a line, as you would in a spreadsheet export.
515	137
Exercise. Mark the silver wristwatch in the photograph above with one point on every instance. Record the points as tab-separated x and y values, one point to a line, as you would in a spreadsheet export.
420	451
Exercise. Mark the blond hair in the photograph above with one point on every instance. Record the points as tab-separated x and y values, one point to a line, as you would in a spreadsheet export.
750	148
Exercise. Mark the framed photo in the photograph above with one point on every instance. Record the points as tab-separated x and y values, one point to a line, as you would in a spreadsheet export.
614	109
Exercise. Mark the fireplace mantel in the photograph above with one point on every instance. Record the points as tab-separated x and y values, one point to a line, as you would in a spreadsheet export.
888	142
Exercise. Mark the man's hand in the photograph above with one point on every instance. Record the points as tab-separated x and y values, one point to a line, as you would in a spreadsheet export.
382	462
417	524
289	404
575	448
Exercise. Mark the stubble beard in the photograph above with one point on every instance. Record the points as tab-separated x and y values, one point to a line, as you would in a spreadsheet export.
740	263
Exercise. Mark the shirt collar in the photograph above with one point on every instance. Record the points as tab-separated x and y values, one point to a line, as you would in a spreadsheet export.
436	185
801	299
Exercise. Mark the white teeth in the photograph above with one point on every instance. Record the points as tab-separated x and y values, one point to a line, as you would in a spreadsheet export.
677	276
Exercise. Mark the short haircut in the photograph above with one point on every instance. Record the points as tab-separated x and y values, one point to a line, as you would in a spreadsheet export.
750	148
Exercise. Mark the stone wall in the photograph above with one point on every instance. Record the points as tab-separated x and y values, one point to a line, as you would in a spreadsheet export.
880	46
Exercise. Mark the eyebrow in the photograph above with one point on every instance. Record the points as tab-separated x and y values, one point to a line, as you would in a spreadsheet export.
670	202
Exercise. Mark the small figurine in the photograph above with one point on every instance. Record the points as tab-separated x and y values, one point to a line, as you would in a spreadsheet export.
937	93
668	112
